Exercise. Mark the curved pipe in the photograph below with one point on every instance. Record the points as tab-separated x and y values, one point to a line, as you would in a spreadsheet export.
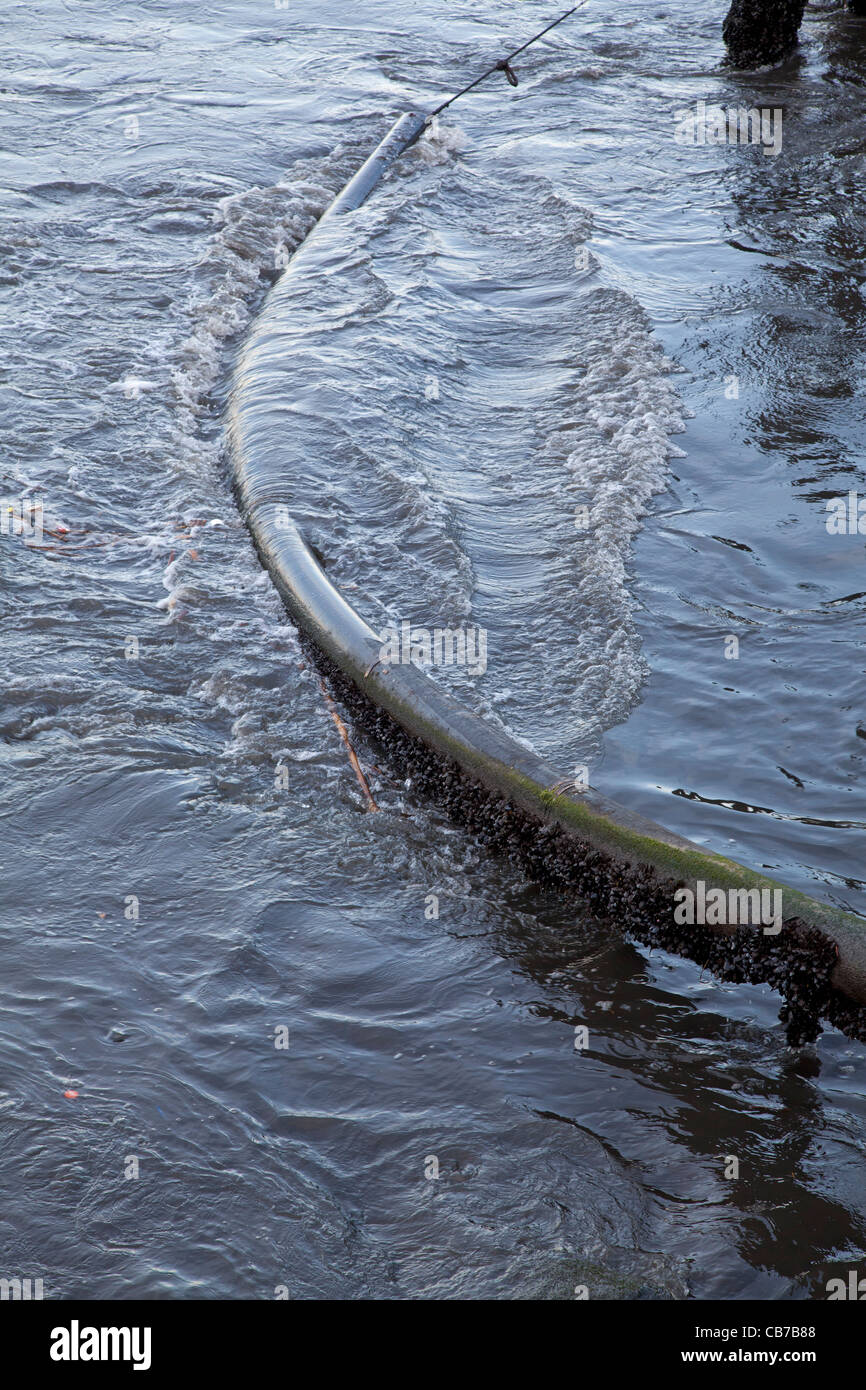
425	711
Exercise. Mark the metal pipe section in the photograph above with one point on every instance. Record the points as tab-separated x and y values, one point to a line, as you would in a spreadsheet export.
426	712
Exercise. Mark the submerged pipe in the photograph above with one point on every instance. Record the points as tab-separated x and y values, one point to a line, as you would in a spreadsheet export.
632	853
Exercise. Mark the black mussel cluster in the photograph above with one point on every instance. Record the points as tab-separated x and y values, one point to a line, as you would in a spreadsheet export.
797	962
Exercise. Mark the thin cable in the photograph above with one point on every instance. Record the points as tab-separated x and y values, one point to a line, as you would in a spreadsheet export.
503	64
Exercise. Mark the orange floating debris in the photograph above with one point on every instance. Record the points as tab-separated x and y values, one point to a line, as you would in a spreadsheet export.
71	1095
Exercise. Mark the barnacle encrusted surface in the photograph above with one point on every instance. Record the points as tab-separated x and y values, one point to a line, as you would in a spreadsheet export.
797	962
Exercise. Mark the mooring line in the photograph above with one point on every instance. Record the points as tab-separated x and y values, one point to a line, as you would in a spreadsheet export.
504	64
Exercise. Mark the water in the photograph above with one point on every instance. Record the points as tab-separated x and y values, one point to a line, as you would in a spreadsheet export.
135	252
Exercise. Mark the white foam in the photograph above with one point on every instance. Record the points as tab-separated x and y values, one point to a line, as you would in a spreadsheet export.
441	143
255	231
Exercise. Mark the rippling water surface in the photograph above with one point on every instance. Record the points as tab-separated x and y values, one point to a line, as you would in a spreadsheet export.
581	289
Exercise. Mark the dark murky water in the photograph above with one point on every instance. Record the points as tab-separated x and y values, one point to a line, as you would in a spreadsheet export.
154	166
